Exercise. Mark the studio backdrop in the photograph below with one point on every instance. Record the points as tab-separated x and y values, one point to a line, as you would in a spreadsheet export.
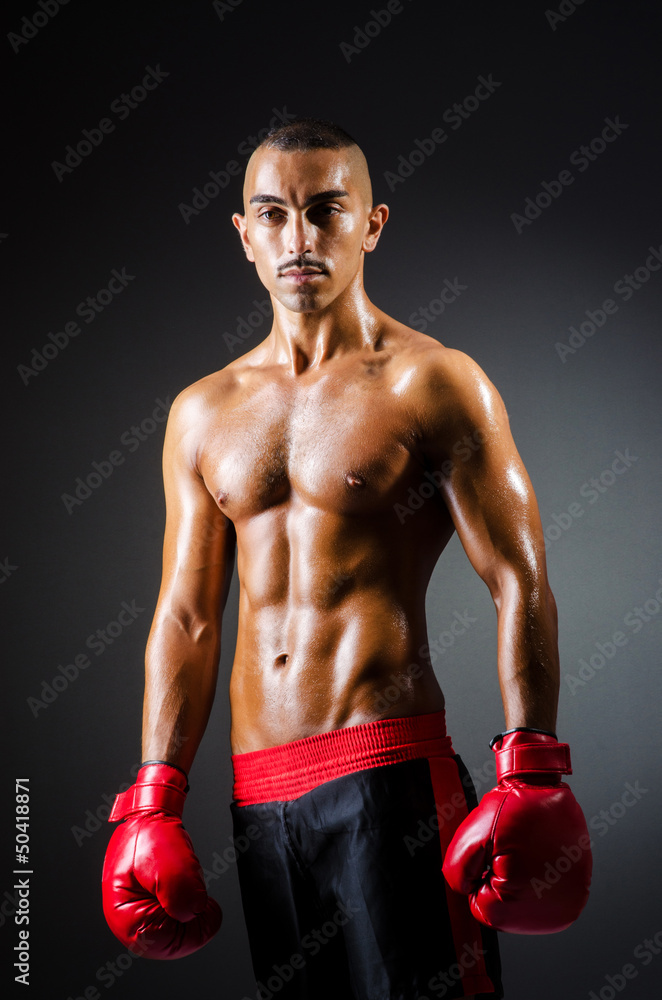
518	149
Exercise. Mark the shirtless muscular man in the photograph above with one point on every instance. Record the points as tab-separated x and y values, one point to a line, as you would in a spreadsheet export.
299	454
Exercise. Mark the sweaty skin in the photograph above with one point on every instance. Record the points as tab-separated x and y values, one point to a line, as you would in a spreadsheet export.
303	457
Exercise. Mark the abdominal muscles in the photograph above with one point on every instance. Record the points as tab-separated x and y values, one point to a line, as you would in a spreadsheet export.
331	627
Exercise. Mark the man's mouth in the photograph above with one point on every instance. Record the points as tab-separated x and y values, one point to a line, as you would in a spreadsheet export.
301	275
301	271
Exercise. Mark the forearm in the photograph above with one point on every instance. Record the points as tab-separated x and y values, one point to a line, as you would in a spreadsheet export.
528	659
180	682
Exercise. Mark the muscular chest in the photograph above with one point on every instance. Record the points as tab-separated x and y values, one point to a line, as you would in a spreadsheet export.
342	447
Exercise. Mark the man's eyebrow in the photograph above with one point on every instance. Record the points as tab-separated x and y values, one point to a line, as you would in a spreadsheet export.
326	196
263	199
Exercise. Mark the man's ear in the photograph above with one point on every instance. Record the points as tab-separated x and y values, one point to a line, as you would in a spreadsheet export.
240	223
376	221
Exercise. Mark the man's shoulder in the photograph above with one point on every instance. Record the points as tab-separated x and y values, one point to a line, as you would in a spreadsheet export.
445	391
210	391
195	408
436	368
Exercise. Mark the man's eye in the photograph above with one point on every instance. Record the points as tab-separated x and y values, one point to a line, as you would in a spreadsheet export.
269	214
327	210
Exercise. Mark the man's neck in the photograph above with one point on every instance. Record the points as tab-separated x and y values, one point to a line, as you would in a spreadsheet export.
305	340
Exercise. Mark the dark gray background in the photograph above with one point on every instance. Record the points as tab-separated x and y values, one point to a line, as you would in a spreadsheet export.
66	574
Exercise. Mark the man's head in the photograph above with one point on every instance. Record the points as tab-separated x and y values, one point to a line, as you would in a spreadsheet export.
308	215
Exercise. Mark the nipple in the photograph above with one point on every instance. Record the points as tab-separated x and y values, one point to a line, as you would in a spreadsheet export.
221	497
354	479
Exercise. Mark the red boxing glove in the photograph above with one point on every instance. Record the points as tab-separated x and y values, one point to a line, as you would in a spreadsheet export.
154	895
523	855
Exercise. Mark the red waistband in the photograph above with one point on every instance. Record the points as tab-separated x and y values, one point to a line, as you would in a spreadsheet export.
287	771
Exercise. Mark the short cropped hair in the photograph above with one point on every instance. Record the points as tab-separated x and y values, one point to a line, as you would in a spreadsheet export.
305	134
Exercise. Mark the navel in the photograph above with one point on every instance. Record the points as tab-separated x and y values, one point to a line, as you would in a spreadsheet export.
281	660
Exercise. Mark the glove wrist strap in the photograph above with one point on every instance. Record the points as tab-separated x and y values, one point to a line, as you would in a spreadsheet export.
532	754
155	789
167	764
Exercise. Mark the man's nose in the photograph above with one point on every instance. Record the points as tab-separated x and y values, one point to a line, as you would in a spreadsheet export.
299	235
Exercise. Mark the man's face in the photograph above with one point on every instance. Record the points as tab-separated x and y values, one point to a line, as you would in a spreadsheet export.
308	220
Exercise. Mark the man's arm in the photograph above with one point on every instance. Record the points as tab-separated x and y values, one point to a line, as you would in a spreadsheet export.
502	850
154	894
494	509
198	558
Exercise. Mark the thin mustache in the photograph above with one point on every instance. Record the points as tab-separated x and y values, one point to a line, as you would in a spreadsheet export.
301	263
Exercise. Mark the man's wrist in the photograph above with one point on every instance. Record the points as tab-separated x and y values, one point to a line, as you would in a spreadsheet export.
521	729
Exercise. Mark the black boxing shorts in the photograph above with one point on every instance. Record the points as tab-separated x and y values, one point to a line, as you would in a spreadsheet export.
340	839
